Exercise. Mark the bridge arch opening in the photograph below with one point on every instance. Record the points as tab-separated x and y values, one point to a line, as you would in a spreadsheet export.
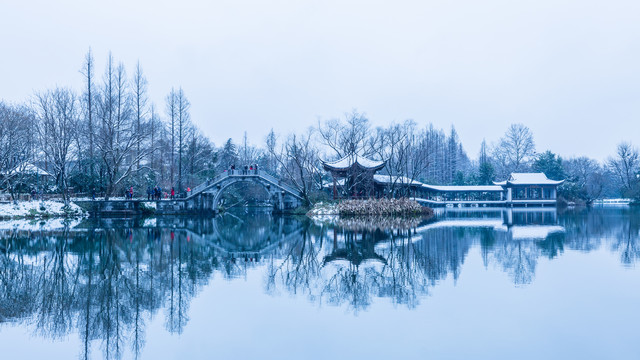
244	194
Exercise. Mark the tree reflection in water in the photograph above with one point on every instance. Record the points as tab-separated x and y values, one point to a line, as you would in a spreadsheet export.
107	279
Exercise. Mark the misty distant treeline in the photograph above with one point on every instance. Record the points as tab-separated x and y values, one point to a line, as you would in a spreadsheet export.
108	137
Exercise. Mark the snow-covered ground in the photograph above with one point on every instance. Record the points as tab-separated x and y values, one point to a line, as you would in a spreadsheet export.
323	209
324	213
39	224
149	205
37	209
86	198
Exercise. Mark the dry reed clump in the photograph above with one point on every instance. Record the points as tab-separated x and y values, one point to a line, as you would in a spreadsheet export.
372	223
384	207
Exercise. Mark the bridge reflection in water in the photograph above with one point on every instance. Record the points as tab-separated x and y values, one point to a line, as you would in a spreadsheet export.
105	279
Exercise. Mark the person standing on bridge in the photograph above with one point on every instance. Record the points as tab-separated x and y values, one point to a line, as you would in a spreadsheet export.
173	193
255	167
131	193
245	170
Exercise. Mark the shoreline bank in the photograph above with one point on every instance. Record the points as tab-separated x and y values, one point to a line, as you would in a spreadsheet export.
35	210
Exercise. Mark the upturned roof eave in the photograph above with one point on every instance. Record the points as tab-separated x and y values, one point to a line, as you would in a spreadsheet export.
328	165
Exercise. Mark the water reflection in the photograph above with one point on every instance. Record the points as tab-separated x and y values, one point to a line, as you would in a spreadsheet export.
107	279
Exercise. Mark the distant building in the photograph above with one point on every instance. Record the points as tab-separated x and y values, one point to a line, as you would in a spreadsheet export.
530	187
520	189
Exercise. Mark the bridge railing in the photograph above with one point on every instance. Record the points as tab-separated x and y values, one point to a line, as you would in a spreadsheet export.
198	189
244	173
279	183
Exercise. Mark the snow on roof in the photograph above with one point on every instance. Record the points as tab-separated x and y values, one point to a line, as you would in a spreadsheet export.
349	160
461	188
390	179
28	168
528	179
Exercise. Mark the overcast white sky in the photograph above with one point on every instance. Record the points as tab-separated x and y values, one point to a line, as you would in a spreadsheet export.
568	69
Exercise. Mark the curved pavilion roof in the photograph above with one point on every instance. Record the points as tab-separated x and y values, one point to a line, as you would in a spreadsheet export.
349	161
528	179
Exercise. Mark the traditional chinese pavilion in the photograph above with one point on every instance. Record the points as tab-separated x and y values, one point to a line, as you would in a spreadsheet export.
530	188
353	176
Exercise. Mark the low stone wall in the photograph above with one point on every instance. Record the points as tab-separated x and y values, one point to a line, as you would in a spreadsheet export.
136	207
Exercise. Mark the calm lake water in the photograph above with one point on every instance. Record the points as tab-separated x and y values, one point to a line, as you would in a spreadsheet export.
492	284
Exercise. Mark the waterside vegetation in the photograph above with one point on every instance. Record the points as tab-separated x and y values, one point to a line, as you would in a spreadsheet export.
371	207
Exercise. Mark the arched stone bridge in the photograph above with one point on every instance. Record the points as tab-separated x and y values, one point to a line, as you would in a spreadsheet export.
206	196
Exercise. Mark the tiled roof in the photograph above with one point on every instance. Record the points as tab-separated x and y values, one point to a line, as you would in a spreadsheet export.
400	180
350	160
528	179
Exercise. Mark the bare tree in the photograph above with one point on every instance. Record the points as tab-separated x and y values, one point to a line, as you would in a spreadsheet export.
154	127
199	154
89	111
247	153
16	145
586	175
515	149
172	118
626	167
385	144
298	163
140	107
58	119
184	121
405	151
346	137
117	136
270	143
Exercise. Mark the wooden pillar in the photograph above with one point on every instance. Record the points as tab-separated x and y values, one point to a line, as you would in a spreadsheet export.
335	192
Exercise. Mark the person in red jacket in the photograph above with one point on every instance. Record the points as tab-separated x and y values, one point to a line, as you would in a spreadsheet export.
173	193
